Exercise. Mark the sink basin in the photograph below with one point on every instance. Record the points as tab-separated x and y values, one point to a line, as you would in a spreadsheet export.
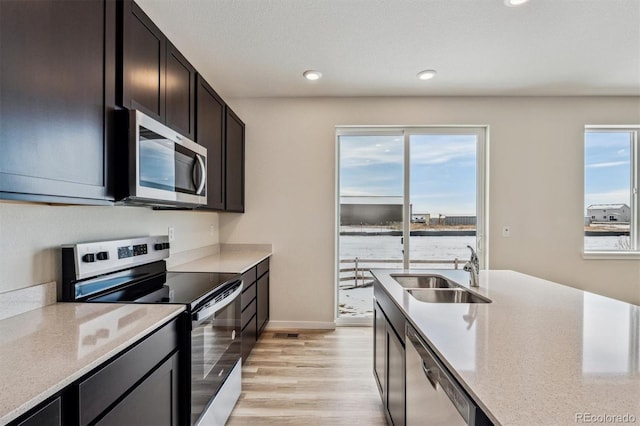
423	281
446	295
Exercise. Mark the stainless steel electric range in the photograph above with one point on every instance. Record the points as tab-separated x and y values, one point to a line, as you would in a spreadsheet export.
134	271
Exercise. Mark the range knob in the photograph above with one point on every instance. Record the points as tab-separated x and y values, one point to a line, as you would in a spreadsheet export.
102	255
165	245
158	246
89	258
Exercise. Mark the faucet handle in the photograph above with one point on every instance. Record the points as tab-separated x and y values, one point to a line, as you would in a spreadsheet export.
474	256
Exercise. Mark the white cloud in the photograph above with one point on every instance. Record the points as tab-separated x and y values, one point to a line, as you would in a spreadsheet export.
610	197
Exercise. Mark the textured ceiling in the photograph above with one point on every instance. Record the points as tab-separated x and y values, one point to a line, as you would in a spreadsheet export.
259	48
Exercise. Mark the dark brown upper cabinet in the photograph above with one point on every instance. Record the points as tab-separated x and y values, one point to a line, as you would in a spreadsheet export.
154	77
57	99
210	117
234	155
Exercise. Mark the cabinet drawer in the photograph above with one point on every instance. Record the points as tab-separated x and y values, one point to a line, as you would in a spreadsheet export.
248	295
249	277
263	267
248	313
104	387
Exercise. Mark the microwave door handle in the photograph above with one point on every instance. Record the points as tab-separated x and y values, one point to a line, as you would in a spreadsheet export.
203	174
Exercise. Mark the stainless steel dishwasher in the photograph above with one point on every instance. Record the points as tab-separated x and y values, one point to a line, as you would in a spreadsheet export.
433	397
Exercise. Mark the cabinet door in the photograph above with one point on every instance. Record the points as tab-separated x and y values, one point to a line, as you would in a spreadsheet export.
249	338
234	142
48	415
143	62
395	378
152	402
57	95
263	301
180	93
379	349
210	134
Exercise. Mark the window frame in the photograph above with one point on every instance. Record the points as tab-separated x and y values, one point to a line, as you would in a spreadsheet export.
634	230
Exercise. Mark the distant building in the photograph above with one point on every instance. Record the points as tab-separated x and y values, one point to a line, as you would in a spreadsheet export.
609	213
373	211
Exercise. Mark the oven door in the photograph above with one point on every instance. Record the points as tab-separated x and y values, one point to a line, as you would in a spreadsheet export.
168	166
215	350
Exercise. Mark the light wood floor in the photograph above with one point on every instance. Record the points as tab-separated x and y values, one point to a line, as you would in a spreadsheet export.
319	378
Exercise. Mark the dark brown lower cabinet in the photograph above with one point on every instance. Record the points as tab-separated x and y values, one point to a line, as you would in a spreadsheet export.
153	402
138	387
255	305
48	415
263	301
389	355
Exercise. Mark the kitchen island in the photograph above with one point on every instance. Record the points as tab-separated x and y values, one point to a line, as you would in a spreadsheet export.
540	353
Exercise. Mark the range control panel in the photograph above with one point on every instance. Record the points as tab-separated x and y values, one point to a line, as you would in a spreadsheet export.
91	259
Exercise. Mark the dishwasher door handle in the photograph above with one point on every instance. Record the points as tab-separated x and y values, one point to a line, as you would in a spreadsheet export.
429	374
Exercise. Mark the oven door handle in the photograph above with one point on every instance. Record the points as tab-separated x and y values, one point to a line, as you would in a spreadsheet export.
209	310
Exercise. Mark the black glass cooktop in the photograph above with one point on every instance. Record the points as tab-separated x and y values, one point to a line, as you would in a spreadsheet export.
194	288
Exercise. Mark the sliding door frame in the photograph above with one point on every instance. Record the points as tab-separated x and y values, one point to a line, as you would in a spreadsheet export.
482	189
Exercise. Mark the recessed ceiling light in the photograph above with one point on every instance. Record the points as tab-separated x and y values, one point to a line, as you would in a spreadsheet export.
513	3
312	75
426	74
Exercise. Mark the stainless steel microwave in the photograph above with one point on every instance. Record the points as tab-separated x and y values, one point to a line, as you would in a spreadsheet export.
163	167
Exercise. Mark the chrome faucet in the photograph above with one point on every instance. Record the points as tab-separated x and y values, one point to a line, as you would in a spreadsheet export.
473	267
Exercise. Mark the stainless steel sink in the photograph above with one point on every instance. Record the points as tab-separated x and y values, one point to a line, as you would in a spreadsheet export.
446	295
423	281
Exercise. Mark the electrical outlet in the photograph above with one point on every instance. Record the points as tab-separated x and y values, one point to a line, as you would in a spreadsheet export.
506	231
212	230
172	234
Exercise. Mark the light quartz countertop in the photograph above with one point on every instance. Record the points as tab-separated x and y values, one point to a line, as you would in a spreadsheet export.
44	350
540	354
224	258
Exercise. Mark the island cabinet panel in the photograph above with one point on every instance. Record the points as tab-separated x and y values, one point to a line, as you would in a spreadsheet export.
57	96
210	118
154	77
389	355
234	161
380	350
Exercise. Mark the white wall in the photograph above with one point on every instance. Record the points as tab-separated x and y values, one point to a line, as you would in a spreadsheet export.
536	158
31	235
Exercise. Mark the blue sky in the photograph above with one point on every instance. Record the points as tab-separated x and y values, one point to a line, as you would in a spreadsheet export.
607	168
443	170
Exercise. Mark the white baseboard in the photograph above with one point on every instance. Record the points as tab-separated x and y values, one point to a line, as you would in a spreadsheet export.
354	322
301	325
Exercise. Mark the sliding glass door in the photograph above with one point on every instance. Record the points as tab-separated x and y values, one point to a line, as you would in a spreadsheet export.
407	198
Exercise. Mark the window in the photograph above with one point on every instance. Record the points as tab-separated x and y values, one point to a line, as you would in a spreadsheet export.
610	191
